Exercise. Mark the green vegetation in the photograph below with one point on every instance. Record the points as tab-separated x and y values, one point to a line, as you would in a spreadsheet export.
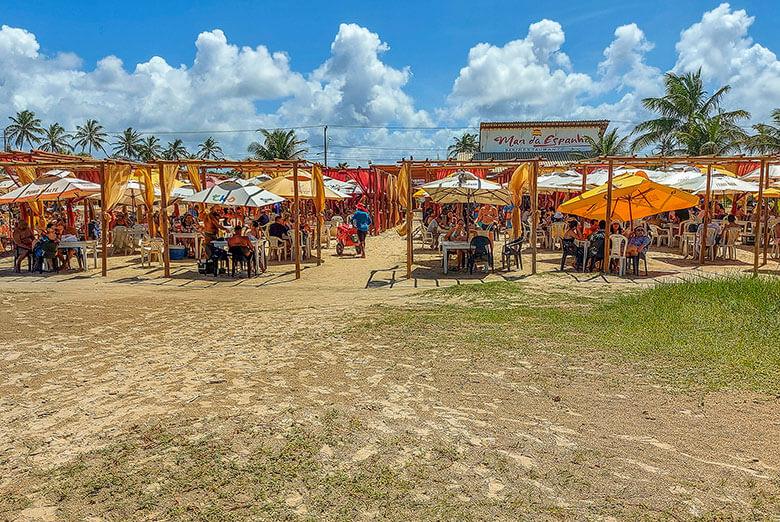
719	333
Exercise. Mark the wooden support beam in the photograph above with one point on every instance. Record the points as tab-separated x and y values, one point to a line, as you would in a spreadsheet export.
706	218
608	218
103	222
297	217
757	212
164	221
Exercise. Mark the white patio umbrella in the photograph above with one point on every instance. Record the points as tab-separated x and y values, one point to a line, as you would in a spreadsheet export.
753	175
230	193
465	187
568	181
179	193
51	187
259	179
719	184
348	188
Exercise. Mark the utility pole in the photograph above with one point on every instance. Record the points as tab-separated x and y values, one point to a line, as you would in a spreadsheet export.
325	142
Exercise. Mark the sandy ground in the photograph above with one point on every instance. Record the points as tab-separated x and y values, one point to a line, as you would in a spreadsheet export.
83	358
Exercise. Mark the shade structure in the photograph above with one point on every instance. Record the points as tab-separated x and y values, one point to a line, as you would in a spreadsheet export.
465	187
179	193
719	184
754	175
567	181
230	193
348	188
51	187
634	196
285	187
6	185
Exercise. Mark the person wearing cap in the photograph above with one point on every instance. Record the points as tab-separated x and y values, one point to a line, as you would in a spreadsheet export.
637	242
361	220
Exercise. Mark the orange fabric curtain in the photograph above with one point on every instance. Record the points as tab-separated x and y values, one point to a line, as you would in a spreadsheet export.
169	171
517	182
115	184
318	188
194	175
27	175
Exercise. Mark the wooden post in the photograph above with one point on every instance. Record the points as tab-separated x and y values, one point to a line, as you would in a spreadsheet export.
584	177
86	221
297	218
103	221
608	219
320	216
706	219
756	225
765	237
164	221
409	248
534	195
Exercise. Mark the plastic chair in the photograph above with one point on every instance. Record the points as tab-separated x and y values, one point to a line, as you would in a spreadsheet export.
512	250
557	231
617	251
238	257
636	259
121	240
729	246
151	247
569	249
480	250
277	245
710	245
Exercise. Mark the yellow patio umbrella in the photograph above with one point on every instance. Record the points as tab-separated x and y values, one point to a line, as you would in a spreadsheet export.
771	193
633	197
285	187
420	194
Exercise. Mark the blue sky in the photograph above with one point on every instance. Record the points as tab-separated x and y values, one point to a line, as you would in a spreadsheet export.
413	83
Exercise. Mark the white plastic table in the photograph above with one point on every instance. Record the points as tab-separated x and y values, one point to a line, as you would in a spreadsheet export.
446	246
188	235
258	245
83	245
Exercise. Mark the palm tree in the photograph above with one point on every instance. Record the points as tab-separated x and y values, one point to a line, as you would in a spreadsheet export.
713	136
55	139
149	148
278	144
209	149
91	135
25	128
607	144
175	151
342	165
467	144
767	137
128	144
685	105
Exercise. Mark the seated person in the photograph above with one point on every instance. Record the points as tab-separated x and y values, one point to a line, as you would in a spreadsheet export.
23	237
596	247
594	226
569	248
732	223
46	247
637	242
278	229
70	234
263	219
433	230
254	231
458	233
239	245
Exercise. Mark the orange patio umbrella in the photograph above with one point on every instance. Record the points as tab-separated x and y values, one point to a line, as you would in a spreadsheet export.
633	197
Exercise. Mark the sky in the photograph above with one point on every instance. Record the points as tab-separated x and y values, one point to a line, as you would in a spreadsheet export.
390	79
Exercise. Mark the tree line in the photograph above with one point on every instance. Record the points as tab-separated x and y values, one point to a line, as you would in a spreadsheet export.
688	121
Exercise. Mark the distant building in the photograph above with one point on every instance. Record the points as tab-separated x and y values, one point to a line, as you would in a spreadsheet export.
554	141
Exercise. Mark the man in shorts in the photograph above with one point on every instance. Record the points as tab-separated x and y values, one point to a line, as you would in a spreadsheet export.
361	219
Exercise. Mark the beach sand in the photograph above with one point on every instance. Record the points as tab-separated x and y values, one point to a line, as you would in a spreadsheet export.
84	359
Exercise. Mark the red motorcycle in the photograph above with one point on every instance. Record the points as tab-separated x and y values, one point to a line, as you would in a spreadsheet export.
347	237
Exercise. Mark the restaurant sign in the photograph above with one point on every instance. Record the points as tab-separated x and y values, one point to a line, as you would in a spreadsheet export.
537	139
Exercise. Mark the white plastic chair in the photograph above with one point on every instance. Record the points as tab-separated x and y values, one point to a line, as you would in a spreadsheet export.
661	235
151	247
729	246
121	241
557	231
617	251
277	245
710	245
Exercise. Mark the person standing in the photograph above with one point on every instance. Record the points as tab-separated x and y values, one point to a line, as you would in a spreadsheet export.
23	238
361	219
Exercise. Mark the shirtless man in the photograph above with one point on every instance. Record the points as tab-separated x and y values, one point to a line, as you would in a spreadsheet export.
211	227
23	242
241	245
487	217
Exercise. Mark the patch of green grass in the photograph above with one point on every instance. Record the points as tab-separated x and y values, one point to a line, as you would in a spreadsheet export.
713	333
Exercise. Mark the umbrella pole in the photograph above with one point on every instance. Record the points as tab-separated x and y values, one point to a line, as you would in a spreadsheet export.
297	216
605	261
706	219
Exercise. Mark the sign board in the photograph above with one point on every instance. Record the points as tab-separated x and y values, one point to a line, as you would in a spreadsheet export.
545	137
